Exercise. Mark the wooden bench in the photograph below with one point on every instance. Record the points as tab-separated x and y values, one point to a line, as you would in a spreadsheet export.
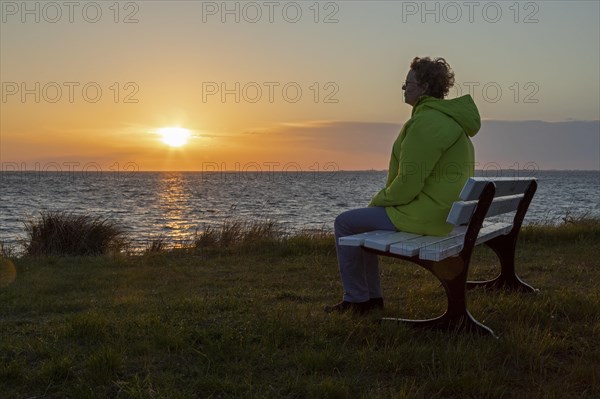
448	257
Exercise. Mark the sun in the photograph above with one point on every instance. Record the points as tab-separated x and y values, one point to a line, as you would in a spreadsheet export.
174	136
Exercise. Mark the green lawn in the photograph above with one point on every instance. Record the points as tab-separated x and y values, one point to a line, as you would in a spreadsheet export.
248	322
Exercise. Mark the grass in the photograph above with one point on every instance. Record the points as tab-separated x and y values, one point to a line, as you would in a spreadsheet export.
62	233
239	233
240	317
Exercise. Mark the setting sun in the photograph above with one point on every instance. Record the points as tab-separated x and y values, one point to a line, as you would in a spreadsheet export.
174	136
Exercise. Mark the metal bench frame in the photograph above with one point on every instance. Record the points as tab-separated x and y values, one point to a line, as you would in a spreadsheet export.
453	271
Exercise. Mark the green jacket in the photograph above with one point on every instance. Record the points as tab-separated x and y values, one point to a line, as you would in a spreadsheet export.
431	160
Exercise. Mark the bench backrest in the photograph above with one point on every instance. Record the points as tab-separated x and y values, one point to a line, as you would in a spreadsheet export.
509	192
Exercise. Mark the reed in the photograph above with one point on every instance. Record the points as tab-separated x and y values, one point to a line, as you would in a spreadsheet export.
68	234
236	233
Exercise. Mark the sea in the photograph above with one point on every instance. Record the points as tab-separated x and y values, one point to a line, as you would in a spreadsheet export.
174	206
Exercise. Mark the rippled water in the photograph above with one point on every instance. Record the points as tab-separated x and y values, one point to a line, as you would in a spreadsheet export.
175	204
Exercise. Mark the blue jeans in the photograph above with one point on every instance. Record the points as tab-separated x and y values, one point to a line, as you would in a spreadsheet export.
359	269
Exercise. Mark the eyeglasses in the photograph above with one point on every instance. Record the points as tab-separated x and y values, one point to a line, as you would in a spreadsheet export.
410	83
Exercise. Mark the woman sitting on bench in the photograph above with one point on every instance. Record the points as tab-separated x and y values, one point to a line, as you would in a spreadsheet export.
431	160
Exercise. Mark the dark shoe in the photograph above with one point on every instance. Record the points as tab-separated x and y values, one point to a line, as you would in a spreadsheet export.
341	307
376	303
356	307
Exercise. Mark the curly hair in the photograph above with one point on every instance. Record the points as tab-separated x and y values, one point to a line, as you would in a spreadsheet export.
436	73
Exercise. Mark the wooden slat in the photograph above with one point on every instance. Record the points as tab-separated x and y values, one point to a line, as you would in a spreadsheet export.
383	242
453	246
382	239
442	250
461	211
504	186
491	231
411	247
428	247
358	240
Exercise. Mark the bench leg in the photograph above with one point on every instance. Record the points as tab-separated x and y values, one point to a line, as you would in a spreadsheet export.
465	323
504	247
456	317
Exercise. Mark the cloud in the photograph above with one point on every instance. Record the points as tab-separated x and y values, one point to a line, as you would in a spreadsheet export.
336	136
549	145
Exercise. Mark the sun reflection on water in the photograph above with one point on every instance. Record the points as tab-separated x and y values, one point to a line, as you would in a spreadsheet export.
175	206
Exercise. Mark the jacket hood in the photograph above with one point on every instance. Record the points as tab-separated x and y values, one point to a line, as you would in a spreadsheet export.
462	109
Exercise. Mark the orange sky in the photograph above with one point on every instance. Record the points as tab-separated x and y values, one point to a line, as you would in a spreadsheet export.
167	68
